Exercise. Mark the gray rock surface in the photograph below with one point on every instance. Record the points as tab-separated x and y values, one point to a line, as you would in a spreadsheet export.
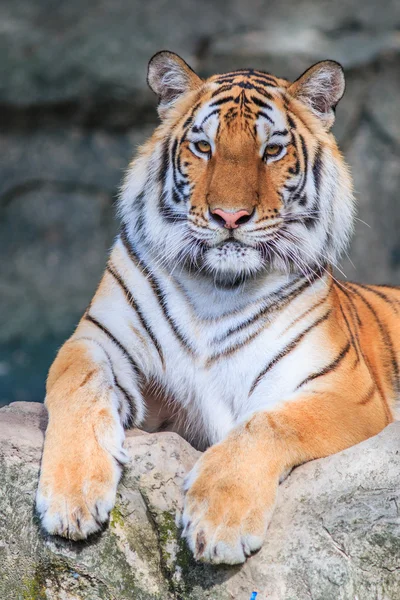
335	534
74	104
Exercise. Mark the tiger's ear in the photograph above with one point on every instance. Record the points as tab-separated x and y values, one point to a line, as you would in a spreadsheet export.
320	88
169	77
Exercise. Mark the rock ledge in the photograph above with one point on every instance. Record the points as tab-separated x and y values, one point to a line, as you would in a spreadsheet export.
335	534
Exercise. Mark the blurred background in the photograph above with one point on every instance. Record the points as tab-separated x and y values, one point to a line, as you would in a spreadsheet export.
74	105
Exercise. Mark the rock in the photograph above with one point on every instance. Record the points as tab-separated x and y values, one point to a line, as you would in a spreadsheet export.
102	52
334	535
75	56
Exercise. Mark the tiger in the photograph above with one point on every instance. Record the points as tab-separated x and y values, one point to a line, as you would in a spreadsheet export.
219	316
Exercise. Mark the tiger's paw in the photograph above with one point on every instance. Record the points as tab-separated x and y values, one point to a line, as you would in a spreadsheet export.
227	507
77	488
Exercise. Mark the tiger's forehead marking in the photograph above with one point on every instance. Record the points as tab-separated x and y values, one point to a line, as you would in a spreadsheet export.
258	77
244	100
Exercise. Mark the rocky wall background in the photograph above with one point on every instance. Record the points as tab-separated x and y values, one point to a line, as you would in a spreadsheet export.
74	106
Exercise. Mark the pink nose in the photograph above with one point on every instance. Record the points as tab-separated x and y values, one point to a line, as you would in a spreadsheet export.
231	220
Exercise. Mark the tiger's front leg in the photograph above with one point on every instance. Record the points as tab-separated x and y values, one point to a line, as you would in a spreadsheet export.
232	489
83	453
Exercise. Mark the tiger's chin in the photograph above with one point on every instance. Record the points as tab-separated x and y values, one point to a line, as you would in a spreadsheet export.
232	263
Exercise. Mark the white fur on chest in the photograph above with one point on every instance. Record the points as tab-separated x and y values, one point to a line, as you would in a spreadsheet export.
214	345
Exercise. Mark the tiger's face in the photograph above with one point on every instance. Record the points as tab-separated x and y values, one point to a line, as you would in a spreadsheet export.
243	176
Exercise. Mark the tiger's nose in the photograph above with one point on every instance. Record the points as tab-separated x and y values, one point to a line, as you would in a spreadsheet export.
231	220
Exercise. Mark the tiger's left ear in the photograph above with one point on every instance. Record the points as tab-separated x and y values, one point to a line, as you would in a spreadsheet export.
169	76
320	88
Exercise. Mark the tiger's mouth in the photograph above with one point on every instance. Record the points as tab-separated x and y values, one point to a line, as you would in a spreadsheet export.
228	257
232	244
232	259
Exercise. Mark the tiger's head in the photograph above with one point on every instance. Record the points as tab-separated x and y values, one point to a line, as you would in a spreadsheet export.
243	175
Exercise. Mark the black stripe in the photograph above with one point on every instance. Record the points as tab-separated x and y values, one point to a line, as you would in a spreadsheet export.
352	340
286	101
249	72
265	81
156	289
345	291
293	344
129	398
124	351
305	158
258	76
179	158
381	295
190	118
260	103
173	159
131	403
331	367
291	114
266	76
276	303
309	310
232	349
216	111
282	132
134	304
222	101
369	395
317	169
299	192
295	143
227	76
167	212
354	311
170	215
385	285
291	122
248	85
220	90
163	173
263	114
165	161
174	150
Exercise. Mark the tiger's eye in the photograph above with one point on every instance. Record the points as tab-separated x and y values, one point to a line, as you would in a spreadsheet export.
273	150
203	147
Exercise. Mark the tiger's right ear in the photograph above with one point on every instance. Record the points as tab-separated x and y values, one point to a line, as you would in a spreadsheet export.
169	77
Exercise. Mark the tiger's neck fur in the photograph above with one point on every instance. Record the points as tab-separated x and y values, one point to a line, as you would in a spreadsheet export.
214	342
